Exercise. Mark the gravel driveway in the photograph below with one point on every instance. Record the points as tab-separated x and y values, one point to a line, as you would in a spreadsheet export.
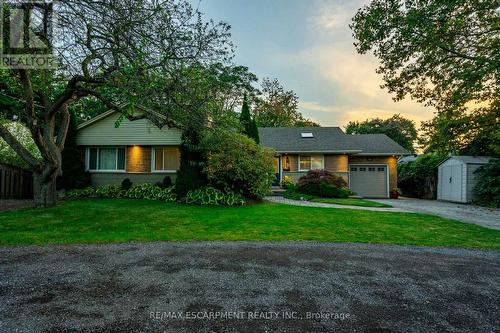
486	217
255	286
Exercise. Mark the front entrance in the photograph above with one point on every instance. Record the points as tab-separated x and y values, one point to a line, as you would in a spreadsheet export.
369	180
277	171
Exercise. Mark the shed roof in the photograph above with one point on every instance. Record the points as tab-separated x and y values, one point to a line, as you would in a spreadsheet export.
470	159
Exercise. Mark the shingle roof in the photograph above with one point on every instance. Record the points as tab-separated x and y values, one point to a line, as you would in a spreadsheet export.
327	139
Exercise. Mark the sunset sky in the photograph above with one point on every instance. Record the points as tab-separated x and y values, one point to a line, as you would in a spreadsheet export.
308	46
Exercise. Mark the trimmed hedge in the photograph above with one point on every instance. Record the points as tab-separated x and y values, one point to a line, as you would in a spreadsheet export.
143	191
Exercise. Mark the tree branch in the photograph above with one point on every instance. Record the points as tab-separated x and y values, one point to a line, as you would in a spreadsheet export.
19	148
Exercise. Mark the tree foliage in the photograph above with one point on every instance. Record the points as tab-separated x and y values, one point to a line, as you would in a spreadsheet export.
249	125
237	163
397	127
443	54
419	178
487	188
277	107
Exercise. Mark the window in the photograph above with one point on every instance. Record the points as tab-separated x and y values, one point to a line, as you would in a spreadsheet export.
362	169
106	159
381	169
307	163
371	169
166	158
354	169
307	135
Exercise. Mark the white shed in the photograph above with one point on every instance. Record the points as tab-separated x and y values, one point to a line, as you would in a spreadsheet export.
456	178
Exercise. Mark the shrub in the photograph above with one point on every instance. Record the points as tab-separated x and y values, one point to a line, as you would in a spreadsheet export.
286	182
190	175
330	191
165	183
419	178
212	196
312	182
88	192
126	184
487	189
109	192
291	193
235	163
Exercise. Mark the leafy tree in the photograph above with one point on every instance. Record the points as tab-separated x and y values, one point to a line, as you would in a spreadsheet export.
278	108
487	188
237	163
441	53
114	52
419	178
249	124
397	127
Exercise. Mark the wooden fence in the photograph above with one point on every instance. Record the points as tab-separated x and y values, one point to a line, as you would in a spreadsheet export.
15	183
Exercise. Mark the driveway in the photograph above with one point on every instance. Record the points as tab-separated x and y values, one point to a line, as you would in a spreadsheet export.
486	217
248	287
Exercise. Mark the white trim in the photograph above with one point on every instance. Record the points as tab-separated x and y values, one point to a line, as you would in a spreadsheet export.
387	175
153	159
311	155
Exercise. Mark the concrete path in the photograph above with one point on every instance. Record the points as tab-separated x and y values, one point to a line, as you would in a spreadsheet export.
486	217
285	201
248	287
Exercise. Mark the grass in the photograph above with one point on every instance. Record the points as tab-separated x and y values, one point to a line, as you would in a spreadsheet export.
106	221
351	202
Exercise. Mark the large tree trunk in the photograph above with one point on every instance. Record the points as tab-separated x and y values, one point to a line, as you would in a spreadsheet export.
44	190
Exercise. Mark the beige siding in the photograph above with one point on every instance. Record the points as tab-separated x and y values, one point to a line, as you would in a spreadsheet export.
391	161
138	159
139	132
337	163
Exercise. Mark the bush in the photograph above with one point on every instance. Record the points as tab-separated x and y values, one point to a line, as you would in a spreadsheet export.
126	184
291	193
235	163
487	189
109	192
88	192
419	178
190	175
165	183
320	182
330	191
286	182
212	196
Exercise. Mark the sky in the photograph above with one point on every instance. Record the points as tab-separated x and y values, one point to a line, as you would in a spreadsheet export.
308	46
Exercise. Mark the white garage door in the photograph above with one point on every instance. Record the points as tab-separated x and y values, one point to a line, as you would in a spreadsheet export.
369	180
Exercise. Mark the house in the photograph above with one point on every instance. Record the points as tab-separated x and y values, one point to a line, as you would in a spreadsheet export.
137	150
144	153
456	178
367	162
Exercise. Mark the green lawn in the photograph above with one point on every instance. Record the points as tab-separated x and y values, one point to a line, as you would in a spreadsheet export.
104	221
351	202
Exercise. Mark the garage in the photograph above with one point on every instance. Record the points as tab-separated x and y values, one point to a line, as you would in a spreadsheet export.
369	180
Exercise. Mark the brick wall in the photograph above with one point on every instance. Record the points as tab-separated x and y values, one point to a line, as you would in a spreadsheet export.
138	159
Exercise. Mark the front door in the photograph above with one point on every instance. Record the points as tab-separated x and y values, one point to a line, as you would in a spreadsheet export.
277	171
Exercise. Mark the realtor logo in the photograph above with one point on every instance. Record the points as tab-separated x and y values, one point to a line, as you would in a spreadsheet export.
26	34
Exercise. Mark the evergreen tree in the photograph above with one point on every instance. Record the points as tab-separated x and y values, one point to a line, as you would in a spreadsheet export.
249	125
73	175
190	175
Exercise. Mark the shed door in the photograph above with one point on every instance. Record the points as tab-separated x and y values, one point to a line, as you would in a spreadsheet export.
369	180
451	184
